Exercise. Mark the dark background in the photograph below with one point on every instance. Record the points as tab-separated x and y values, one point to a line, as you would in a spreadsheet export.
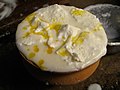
13	74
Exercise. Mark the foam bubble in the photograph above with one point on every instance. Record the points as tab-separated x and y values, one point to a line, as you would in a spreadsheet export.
94	87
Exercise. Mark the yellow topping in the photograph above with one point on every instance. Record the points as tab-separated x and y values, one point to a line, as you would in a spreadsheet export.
41	20
35	48
63	52
55	26
45	43
26	34
40	63
53	20
44	33
75	38
28	49
77	12
62	18
30	17
24	28
31	55
98	27
34	26
49	50
81	38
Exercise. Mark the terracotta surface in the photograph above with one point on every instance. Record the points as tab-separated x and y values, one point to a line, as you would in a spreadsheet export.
60	78
13	74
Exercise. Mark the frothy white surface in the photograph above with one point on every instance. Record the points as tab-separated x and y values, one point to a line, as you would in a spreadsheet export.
61	38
